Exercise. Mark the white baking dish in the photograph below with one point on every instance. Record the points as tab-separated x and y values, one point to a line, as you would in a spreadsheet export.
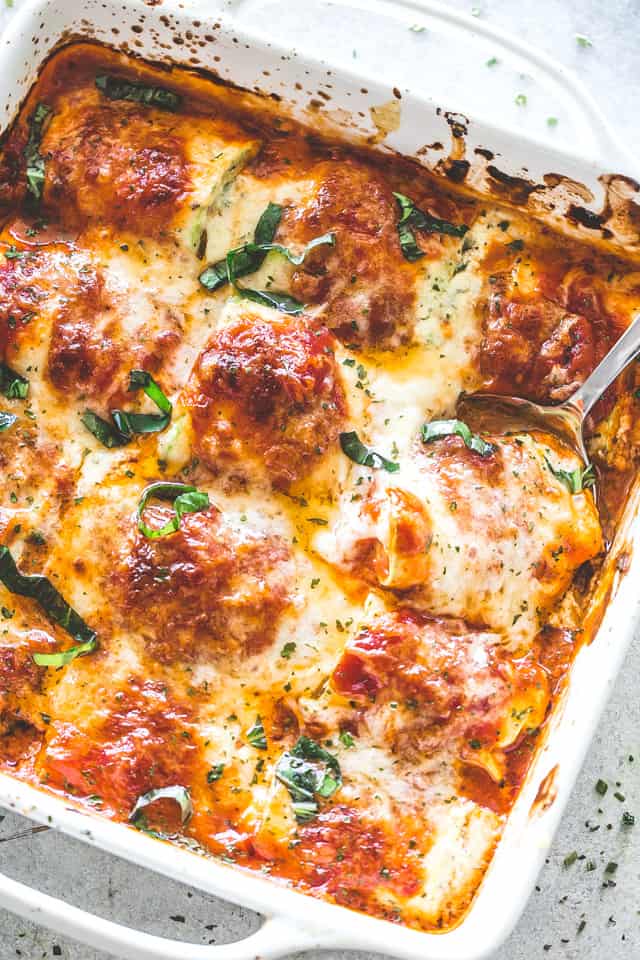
445	61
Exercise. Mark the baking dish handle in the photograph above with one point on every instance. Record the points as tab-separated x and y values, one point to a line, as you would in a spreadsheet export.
591	135
275	938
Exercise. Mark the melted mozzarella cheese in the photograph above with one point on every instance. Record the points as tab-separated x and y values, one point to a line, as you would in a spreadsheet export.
494	551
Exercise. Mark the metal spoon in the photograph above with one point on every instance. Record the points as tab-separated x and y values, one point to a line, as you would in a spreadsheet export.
566	421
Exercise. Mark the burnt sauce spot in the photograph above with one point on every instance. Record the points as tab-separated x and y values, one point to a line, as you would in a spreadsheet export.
458	122
515	189
587	218
547	792
456	170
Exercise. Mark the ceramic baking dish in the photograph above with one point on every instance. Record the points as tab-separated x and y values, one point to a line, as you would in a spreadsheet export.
421	61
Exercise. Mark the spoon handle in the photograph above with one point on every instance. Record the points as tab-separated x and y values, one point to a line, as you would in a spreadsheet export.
621	354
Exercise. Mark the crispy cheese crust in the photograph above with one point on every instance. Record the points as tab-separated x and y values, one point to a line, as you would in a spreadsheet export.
334	639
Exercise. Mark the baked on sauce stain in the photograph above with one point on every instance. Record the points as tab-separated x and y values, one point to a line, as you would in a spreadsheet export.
547	792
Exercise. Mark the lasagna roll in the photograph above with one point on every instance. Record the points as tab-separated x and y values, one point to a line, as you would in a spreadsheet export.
139	736
218	591
429	688
364	283
157	170
63	313
493	539
267	389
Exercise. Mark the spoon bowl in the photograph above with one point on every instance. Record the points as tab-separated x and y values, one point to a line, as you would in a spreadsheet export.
493	413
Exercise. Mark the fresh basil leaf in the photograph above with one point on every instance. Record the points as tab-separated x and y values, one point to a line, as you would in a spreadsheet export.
268	223
125	424
14	254
275	299
327	239
308	771
250	256
365	456
115	88
103	431
437	429
215	772
53	604
304	810
13	385
34	162
178	793
410	249
283	302
6	420
346	738
186	499
65	656
132	423
412	218
256	735
216	275
141	379
574	480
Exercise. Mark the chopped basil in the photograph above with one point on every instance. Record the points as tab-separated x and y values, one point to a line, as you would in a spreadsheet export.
250	256
412	218
103	431
256	735
179	794
14	254
65	656
34	161
288	649
601	787
40	589
6	420
216	275
268	224
215	773
365	456
308	771
13	385
283	302
186	499
346	738
628	819
327	239
304	809
276	299
437	429
570	859
574	480
126	425
115	88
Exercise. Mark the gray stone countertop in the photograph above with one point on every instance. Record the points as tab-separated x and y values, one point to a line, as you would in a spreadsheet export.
565	895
